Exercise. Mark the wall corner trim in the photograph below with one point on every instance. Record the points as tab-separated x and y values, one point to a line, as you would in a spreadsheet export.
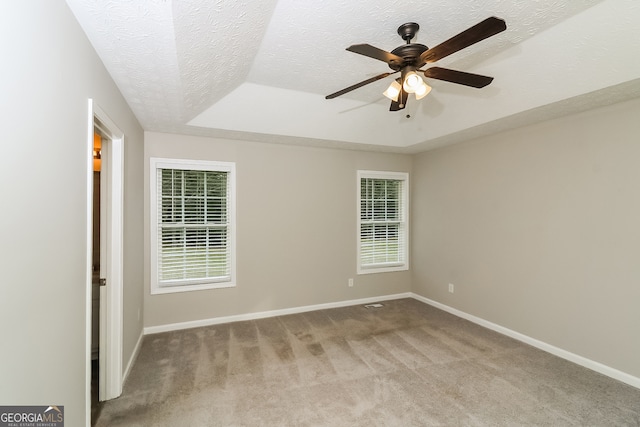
132	359
556	351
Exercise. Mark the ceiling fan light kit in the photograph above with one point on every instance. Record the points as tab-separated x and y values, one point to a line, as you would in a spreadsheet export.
393	91
422	91
410	57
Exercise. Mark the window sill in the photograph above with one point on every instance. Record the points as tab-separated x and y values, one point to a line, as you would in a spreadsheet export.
383	268
156	290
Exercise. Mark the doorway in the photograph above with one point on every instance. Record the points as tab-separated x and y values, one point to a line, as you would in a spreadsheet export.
104	259
98	231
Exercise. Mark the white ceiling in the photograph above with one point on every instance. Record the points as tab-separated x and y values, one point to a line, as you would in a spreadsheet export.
259	70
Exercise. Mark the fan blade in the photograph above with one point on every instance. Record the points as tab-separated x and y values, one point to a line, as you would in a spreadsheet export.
402	100
375	53
459	77
357	85
478	32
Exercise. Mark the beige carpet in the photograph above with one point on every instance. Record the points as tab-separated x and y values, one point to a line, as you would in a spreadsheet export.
405	364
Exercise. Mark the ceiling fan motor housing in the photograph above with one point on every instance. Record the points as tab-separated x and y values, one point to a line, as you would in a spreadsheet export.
410	53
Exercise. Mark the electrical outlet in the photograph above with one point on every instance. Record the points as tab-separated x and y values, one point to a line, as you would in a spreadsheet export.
351	283
451	287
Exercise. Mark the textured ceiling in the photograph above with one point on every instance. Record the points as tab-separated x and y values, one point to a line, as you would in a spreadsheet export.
260	70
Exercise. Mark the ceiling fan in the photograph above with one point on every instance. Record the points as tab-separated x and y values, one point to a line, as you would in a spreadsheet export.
407	60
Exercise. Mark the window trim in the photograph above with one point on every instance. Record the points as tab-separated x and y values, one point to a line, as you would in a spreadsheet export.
383	267
185	164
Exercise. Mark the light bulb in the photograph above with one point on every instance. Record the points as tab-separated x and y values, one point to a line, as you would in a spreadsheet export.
412	82
393	91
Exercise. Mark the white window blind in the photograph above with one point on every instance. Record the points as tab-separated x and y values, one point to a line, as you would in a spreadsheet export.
382	240
194	244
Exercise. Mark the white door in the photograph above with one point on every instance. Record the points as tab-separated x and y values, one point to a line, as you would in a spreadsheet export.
111	254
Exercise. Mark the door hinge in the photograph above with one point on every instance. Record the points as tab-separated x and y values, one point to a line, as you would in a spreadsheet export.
103	282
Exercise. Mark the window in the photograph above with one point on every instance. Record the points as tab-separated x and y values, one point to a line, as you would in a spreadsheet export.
192	225
382	221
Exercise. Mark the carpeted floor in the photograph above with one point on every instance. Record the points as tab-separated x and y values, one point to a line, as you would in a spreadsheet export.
405	364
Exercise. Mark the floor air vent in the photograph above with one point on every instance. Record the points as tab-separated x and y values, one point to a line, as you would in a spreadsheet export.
374	305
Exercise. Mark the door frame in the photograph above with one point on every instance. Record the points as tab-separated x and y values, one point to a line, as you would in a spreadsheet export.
111	296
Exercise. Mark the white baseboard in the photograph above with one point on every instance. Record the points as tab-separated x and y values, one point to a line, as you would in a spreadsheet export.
272	313
564	354
556	351
132	359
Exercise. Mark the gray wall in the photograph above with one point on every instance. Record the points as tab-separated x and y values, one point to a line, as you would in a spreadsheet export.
539	231
48	72
296	228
